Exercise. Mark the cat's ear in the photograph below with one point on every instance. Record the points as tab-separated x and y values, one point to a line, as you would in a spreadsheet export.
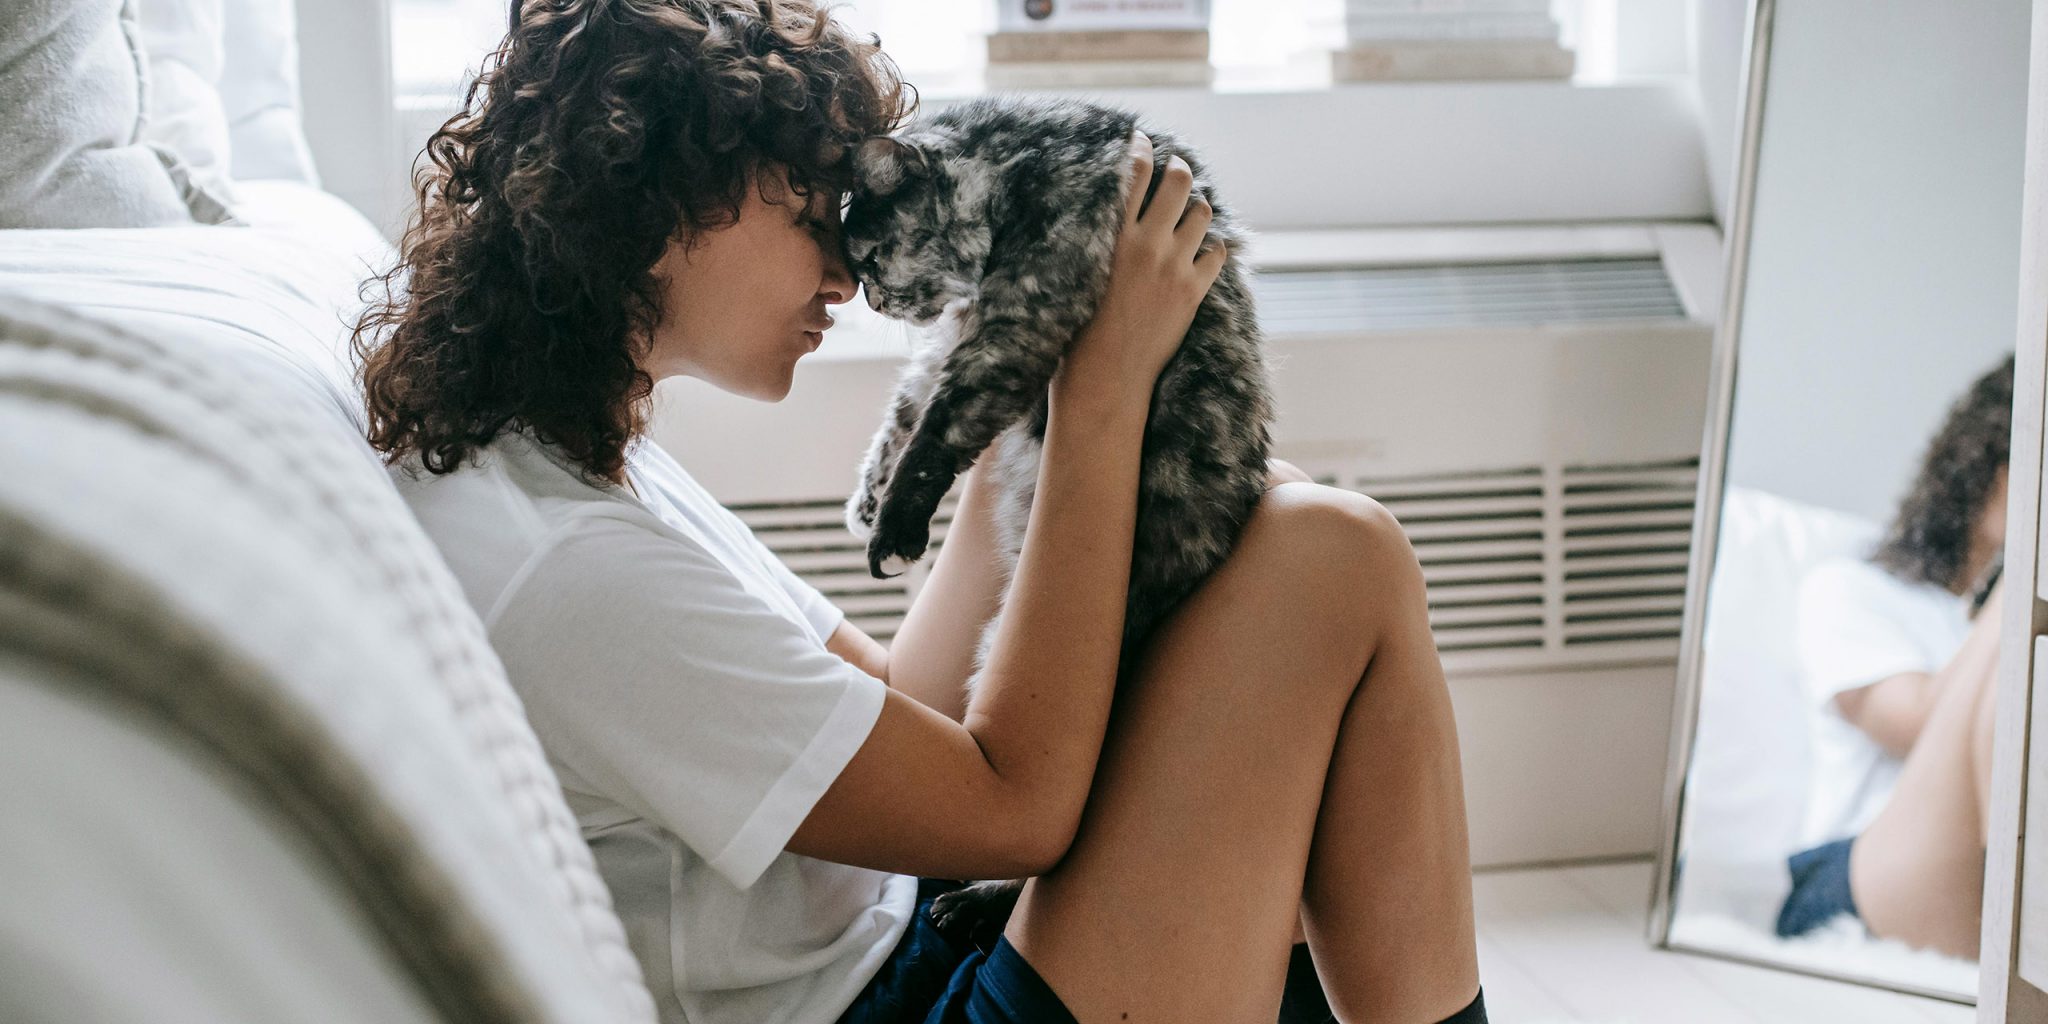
885	162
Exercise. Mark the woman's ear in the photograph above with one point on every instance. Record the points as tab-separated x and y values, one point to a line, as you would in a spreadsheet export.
885	162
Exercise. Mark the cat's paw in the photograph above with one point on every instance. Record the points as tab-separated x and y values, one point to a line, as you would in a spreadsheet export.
976	914
897	542
860	515
865	506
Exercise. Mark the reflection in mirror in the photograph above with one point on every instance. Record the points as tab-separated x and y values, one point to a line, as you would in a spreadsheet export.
1835	760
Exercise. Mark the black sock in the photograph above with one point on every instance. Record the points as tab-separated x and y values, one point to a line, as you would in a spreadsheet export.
1302	1001
1473	1013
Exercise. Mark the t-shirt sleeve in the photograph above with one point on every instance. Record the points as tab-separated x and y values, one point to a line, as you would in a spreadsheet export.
1855	628
819	611
663	681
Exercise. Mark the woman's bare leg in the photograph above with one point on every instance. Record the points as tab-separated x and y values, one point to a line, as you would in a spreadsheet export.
1917	873
1387	908
1286	741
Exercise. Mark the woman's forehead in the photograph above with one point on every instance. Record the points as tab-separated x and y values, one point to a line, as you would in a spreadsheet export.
771	182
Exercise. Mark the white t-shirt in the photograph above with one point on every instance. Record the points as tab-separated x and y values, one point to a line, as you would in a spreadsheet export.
676	674
1857	625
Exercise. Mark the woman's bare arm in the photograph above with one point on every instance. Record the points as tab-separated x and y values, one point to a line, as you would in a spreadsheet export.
1892	711
999	794
863	651
932	653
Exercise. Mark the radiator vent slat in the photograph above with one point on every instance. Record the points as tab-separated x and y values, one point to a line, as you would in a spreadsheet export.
1581	557
812	539
1501	513
1626	544
1465	295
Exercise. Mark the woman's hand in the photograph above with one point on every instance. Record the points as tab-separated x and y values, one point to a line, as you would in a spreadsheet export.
1157	278
1993	602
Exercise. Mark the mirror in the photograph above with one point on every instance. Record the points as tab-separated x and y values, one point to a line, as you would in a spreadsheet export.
1851	502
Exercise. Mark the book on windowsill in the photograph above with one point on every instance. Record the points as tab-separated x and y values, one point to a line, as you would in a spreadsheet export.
1431	27
1096	74
1100	15
1447	6
1012	47
1452	60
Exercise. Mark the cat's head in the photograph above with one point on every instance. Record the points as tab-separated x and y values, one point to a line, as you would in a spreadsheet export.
917	228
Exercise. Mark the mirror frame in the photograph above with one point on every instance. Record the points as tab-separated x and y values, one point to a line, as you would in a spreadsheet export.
1706	529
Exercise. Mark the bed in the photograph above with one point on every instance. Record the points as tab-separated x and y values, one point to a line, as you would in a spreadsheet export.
262	762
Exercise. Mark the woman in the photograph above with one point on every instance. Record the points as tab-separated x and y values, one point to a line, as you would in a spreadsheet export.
641	189
1899	654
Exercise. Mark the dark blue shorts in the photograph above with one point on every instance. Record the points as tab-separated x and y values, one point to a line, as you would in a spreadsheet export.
929	980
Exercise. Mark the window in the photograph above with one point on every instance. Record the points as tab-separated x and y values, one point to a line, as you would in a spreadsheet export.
938	43
439	44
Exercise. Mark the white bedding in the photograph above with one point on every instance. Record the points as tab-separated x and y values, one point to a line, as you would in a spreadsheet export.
234	354
303	252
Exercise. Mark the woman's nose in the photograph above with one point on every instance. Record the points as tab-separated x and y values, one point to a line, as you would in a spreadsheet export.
839	284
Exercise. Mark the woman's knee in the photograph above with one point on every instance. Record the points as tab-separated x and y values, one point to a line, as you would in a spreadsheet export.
1334	564
1346	543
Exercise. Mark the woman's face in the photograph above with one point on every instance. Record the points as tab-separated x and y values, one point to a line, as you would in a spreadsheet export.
748	301
1991	521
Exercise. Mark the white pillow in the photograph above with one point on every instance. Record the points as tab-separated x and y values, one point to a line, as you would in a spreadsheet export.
73	105
183	41
225	91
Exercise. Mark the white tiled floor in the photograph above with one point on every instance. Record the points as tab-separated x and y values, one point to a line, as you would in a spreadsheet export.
1565	944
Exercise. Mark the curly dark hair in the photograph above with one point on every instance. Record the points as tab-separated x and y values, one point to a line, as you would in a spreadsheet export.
596	133
1929	539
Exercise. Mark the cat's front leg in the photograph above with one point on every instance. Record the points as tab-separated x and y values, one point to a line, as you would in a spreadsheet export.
879	465
913	389
988	382
874	476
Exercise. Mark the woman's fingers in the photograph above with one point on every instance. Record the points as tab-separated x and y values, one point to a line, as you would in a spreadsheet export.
1210	259
1176	183
1141	176
1193	228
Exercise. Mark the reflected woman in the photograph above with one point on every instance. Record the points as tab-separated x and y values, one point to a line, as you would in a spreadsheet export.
1898	655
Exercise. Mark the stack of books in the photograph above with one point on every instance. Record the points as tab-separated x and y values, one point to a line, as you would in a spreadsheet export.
1051	44
1448	39
1105	58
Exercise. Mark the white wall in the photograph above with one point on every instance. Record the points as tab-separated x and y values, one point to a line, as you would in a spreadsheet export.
1720	29
1884	262
1426	153
1398	154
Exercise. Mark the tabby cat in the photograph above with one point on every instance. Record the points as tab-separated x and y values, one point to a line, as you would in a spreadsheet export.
993	223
